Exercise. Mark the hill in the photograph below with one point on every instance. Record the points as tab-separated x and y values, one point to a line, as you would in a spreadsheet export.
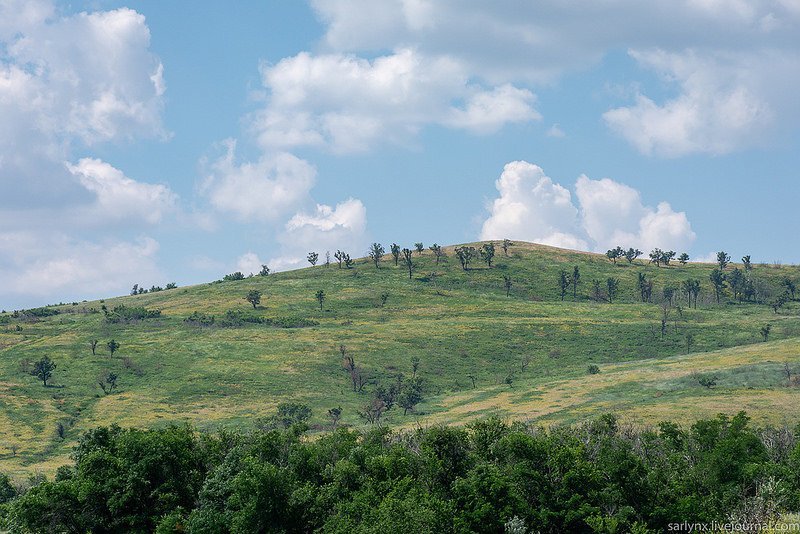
480	352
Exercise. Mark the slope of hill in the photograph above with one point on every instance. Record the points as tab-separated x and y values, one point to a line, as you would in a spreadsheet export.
524	355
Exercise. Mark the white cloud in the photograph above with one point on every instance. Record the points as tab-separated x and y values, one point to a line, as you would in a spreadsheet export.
249	263
556	131
67	82
120	197
55	266
734	63
262	190
531	207
347	103
326	228
724	103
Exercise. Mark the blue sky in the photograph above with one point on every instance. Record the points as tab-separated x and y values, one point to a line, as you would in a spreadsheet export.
152	142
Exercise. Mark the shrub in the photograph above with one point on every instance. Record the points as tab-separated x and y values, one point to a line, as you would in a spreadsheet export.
593	369
127	314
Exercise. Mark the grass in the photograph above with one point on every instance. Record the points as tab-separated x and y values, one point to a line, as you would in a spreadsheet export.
459	323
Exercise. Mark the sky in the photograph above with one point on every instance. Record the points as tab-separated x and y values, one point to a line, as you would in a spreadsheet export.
152	142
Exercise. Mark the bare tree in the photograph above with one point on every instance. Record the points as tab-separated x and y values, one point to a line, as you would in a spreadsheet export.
349	363
93	344
376	252
438	252
505	246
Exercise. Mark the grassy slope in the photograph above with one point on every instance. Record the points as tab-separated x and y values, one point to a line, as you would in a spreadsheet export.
459	324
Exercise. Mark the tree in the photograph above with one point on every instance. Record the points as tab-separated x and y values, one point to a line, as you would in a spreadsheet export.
334	414
765	330
563	283
487	253
692	289
506	245
107	382
778	303
349	363
410	396
320	296
312	258
736	281
576	279
631	254
376	252
790	286
292	413
746	262
253	297
339	256
414	366
112	347
384	298
438	252
43	369
419	247
264	271
723	259
645	287
395	248
327	258
597	290
612	254
707	381
465	255
507	284
689	342
93	344
612	284
348	263
656	255
718	281
683	258
667	256
409	264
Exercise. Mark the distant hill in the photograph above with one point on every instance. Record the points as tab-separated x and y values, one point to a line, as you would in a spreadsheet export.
523	356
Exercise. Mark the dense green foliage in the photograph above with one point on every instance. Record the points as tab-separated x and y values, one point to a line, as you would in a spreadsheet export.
595	477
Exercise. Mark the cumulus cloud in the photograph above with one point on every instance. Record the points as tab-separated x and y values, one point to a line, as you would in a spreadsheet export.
54	265
57	92
531	207
325	228
249	263
262	190
117	196
347	103
724	103
728	94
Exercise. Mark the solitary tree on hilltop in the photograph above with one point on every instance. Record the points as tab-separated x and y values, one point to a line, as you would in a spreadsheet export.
312	258
376	252
253	297
43	369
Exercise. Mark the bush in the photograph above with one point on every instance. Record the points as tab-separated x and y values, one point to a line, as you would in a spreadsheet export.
199	319
233	276
593	369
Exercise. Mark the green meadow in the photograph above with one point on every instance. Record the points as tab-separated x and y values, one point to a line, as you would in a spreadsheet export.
524	356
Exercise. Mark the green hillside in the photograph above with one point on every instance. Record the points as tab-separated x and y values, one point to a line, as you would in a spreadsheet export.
527	353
